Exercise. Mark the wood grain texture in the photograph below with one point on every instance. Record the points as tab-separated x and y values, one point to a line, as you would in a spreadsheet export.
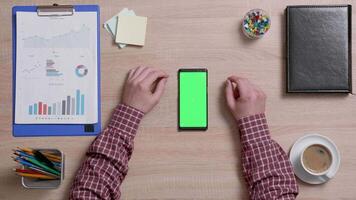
171	165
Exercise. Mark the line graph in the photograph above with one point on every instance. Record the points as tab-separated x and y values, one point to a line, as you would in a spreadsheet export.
32	69
71	39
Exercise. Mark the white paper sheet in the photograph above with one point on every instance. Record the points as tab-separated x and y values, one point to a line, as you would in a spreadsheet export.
56	69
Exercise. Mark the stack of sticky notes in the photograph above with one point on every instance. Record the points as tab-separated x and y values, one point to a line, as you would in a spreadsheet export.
127	29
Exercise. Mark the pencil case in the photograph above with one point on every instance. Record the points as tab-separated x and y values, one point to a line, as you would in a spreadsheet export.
31	183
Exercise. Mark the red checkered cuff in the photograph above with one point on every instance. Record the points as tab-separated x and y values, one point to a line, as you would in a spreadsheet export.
253	130
126	119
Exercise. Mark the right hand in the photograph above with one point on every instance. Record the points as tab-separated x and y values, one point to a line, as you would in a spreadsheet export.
243	98
143	88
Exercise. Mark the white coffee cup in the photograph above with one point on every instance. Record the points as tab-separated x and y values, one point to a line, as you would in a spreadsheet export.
322	156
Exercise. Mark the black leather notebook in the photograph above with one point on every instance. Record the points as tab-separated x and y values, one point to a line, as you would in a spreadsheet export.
319	49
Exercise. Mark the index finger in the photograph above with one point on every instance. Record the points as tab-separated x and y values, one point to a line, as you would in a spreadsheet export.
242	85
152	77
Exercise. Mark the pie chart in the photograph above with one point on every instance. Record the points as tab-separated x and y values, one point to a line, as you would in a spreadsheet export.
81	71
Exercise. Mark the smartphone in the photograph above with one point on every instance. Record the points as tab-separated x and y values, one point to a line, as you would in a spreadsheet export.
193	99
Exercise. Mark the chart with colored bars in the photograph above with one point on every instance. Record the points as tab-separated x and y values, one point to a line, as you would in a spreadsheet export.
51	69
71	105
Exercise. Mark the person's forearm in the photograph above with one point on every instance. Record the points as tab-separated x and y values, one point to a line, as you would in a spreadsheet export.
266	167
106	165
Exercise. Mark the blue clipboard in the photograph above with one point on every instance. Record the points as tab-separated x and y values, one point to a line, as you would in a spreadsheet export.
28	130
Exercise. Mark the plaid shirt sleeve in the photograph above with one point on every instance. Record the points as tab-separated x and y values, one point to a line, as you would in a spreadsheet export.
106	165
266	167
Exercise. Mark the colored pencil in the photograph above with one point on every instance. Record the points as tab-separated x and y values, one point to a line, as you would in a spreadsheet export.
51	157
28	171
39	164
47	153
43	172
20	153
40	157
40	176
24	162
35	171
33	167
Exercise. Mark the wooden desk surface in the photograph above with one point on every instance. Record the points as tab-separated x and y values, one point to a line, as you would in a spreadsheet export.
171	165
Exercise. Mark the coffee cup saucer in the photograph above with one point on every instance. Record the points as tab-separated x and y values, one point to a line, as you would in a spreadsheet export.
300	145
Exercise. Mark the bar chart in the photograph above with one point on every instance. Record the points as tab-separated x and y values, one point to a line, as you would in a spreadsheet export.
70	105
51	69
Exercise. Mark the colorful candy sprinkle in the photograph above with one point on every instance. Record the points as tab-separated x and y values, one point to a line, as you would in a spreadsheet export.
256	23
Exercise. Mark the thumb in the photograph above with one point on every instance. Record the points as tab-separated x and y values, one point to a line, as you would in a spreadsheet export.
229	94
159	88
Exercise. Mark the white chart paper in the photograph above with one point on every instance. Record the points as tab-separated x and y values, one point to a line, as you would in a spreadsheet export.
56	69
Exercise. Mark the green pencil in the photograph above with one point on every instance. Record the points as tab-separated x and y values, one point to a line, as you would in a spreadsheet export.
43	171
42	165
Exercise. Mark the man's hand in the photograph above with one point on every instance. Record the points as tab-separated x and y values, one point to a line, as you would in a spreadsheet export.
143	88
243	98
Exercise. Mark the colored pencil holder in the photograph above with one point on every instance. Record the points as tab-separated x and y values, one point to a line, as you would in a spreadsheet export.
31	183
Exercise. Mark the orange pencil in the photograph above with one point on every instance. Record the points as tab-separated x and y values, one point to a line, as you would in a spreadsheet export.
51	157
40	176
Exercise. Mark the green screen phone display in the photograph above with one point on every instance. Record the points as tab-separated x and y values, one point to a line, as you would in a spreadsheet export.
193	99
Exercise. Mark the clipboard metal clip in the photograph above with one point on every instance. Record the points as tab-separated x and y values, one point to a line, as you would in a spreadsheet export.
55	10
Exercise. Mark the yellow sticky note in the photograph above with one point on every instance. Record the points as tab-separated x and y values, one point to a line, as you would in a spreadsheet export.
131	30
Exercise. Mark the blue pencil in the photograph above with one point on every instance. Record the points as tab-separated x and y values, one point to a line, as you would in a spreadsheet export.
29	165
24	162
21	153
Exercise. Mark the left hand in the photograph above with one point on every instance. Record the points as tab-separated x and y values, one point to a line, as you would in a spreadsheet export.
143	88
